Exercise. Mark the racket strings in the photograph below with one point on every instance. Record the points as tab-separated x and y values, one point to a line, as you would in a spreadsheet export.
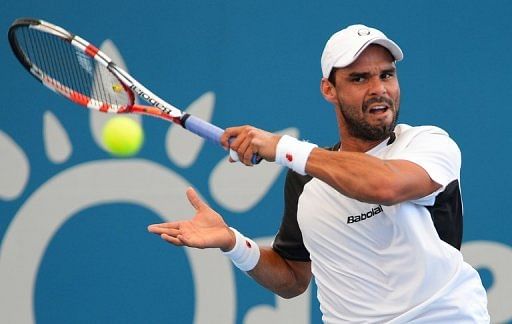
70	71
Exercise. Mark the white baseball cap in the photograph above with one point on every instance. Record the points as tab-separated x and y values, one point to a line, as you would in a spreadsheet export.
345	46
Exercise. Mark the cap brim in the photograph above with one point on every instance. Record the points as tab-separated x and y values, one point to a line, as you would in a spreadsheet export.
391	46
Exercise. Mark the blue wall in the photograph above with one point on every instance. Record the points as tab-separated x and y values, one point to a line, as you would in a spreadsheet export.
74	246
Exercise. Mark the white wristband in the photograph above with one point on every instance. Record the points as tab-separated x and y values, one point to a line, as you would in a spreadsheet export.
245	254
292	153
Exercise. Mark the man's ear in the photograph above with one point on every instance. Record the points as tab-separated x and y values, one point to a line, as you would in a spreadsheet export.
328	91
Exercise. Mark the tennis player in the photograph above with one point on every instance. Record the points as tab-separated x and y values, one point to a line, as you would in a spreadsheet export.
376	219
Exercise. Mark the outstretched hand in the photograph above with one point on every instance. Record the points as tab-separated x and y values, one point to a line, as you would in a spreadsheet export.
206	229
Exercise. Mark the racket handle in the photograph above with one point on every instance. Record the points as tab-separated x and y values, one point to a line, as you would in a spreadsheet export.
202	128
210	132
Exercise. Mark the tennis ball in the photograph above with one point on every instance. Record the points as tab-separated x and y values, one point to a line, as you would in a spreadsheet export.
122	136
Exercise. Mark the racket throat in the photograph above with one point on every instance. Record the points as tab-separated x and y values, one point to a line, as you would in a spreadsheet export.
141	93
183	119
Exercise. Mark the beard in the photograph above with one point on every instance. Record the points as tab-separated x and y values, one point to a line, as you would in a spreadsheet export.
360	128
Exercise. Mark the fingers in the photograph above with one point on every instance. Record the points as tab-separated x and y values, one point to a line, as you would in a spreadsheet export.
169	232
172	233
229	135
245	152
194	200
206	229
158	228
163	228
180	236
247	141
240	140
166	231
172	239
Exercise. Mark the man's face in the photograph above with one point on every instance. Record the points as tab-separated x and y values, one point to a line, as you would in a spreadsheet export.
368	94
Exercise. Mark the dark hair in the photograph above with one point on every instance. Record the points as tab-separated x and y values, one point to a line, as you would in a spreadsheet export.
332	76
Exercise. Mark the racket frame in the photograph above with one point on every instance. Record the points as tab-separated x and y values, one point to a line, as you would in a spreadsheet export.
159	107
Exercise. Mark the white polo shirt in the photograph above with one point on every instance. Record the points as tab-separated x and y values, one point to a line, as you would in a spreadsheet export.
375	263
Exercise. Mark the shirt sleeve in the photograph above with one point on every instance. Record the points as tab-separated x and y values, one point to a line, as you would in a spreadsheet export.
288	241
431	148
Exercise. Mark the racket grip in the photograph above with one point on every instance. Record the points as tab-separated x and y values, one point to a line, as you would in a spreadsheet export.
202	128
210	132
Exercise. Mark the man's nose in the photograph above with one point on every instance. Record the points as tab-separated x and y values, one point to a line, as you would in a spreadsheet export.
377	87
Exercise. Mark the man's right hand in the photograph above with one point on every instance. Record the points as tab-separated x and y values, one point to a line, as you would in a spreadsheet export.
248	140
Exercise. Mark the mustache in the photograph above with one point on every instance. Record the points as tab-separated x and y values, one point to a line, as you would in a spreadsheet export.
380	99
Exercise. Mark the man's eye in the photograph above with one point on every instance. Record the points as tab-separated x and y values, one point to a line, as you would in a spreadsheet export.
386	76
358	79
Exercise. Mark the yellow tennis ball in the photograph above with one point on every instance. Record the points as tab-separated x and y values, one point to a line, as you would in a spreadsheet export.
123	136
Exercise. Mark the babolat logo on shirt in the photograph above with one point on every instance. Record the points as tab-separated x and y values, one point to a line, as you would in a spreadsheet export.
363	216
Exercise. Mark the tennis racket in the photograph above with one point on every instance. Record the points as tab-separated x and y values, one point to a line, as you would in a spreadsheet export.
76	69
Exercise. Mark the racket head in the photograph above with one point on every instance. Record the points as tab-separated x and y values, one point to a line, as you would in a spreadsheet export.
70	66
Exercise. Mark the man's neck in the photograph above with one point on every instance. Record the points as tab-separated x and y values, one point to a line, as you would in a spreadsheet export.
352	144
